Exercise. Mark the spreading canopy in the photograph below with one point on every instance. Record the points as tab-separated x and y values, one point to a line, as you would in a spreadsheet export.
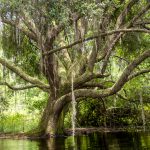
75	36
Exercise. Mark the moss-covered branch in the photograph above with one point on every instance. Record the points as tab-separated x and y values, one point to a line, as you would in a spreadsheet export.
94	37
124	78
24	75
138	73
17	88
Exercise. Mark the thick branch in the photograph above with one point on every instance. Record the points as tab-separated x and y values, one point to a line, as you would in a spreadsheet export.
109	91
126	73
78	82
94	37
101	85
86	78
23	75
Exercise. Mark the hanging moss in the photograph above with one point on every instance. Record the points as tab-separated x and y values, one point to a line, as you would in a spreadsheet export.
18	47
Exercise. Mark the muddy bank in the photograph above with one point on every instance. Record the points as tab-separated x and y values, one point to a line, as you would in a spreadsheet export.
80	131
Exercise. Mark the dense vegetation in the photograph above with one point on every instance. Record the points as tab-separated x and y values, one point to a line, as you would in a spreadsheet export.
99	48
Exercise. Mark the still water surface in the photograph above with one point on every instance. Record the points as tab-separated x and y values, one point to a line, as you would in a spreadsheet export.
94	141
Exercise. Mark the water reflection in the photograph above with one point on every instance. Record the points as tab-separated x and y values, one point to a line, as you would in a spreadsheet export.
104	141
94	141
6	144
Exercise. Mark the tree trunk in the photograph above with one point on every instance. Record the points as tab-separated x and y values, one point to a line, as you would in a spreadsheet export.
52	121
55	125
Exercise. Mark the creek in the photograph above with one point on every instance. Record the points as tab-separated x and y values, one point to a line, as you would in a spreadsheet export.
92	141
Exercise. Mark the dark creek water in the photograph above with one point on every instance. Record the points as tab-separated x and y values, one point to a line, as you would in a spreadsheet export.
94	141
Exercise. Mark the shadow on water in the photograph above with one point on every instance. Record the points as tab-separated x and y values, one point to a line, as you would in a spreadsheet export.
94	141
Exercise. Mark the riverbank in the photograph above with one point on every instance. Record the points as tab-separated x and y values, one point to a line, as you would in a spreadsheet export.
68	132
80	131
30	136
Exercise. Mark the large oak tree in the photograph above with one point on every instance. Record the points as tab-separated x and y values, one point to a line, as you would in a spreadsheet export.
72	39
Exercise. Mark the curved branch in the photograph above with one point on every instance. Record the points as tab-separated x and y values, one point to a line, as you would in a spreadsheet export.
23	75
16	88
101	85
88	77
108	50
138	73
94	37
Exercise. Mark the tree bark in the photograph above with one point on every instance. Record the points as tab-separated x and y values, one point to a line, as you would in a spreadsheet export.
52	120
